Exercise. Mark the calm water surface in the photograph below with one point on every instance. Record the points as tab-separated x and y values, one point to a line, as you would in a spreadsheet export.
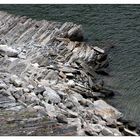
119	24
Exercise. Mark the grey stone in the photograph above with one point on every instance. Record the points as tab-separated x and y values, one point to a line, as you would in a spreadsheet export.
69	104
72	114
39	90
62	119
31	87
3	86
111	132
71	83
26	90
16	81
5	50
51	95
40	96
94	127
106	111
50	109
79	97
62	94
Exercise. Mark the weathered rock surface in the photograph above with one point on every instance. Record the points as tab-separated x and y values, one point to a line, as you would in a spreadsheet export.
48	81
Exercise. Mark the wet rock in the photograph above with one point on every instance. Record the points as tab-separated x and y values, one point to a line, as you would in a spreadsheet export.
102	72
106	111
51	95
16	81
5	50
75	34
129	133
132	126
98	50
107	92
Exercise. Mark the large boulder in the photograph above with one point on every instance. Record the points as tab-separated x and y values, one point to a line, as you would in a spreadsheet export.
107	112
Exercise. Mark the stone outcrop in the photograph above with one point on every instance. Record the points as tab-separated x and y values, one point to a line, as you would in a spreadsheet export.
48	81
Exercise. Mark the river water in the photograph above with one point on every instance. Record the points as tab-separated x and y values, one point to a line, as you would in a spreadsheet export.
118	24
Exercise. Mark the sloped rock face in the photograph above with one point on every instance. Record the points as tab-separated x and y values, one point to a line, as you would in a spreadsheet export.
47	72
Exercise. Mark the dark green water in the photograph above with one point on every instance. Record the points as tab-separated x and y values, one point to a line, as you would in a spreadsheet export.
119	24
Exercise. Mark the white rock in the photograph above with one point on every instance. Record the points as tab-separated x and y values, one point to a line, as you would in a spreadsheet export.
5	50
71	83
131	133
31	87
98	49
16	81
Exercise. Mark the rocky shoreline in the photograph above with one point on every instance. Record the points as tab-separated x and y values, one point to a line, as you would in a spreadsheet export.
49	84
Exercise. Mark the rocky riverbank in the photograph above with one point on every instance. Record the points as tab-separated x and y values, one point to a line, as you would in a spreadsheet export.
49	84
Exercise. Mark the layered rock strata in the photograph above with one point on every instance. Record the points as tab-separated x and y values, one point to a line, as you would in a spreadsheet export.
48	81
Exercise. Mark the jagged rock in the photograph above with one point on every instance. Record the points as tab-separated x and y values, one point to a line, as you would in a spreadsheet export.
5	50
75	34
69	104
50	109
94	127
51	95
15	81
106	111
76	122
3	86
62	94
39	90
